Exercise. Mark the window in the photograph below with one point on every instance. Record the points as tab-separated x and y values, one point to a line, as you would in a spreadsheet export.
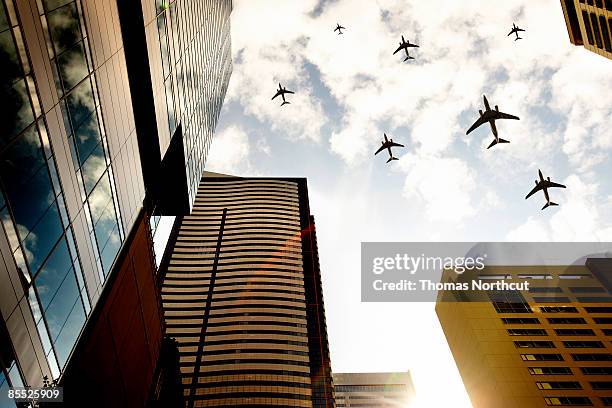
574	332
534	344
509	301
558	309
592	357
552	289
601	385
527	332
520	320
596	370
587	27
559	385
551	299
550	370
542	357
566	320
594	299
568	401
537	276
587	289
598	309
596	31
607	401
583	344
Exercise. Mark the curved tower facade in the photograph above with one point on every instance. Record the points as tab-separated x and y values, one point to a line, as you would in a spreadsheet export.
242	296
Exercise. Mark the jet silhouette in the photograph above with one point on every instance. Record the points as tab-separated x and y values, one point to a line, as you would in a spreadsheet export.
339	29
282	91
404	45
515	30
544	185
491	116
388	144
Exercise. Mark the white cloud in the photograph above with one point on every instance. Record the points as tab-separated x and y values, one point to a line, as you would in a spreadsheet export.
229	152
446	193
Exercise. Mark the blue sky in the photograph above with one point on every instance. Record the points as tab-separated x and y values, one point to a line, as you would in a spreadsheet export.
446	185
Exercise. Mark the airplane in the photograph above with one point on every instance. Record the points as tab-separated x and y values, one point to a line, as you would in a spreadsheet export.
491	116
404	45
544	185
388	144
515	30
339	29
282	91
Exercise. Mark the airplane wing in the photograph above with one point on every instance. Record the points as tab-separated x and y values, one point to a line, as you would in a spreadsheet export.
553	184
343	28
396	144
520	29
380	149
291	92
481	121
398	49
537	188
413	46
510	33
279	92
502	115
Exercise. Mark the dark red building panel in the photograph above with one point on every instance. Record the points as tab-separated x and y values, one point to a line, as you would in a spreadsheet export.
115	361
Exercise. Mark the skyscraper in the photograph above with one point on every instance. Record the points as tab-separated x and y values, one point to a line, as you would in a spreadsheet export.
589	23
79	180
373	390
242	296
548	346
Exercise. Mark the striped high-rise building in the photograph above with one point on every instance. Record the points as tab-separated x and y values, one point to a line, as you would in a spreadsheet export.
550	345
242	296
589	23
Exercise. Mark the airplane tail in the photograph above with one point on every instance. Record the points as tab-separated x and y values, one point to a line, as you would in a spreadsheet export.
496	141
392	158
518	38
408	58
549	204
285	103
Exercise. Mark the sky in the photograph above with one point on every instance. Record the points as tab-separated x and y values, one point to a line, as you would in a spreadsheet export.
446	186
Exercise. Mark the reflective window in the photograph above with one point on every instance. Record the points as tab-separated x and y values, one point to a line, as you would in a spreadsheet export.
72	67
105	222
32	207
29	189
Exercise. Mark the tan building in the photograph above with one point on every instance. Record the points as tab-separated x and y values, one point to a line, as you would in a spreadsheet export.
373	390
589	23
548	346
242	296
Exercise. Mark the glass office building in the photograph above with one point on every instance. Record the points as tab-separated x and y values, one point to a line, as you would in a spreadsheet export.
75	179
242	296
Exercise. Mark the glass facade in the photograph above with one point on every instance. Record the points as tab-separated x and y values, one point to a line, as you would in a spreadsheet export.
72	165
70	57
195	53
32	207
